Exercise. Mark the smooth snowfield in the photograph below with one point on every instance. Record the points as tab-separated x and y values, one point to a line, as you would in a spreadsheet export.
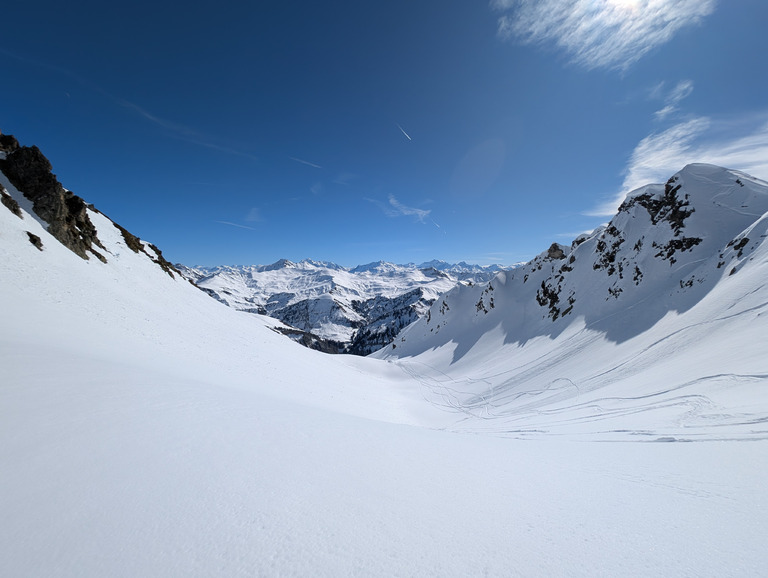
147	430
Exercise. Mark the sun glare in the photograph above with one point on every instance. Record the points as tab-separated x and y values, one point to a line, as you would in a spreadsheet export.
625	4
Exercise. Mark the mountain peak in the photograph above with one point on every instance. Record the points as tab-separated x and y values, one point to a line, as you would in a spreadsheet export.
665	248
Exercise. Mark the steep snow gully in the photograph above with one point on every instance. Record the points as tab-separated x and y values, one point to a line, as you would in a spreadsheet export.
148	430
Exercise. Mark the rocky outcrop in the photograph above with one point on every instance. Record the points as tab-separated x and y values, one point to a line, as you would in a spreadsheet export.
138	246
66	213
10	203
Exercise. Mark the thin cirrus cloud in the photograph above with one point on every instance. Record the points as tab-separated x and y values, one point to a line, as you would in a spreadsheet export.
736	143
254	215
398	209
599	33
181	131
673	98
395	208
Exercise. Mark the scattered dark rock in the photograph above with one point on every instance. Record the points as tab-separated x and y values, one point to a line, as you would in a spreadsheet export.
638	276
668	250
607	248
669	207
740	246
10	203
35	240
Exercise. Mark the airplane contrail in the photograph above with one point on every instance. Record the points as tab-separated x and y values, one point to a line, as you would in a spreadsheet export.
402	131
305	162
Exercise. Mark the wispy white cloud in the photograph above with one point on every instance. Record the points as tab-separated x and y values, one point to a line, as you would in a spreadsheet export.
673	98
400	209
235	225
317	189
173	129
395	208
181	131
735	143
254	215
599	33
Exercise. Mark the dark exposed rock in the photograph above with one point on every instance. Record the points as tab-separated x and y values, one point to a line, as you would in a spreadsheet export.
8	143
669	207
30	172
66	213
740	246
668	250
35	240
607	248
10	203
555	252
548	296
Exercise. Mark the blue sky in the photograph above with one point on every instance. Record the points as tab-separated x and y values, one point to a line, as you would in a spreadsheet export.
356	131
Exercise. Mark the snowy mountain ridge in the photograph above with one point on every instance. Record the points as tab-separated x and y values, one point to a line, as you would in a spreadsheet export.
337	309
677	279
663	250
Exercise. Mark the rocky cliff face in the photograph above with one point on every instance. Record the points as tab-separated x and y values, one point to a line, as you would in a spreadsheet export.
66	214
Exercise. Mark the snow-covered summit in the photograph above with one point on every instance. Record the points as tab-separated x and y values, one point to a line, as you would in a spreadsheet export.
675	282
666	247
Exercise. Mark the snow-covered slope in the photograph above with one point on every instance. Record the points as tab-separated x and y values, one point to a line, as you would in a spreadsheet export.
148	430
356	310
659	318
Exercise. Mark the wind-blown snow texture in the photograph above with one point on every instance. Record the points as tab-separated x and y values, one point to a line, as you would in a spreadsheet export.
357	310
148	430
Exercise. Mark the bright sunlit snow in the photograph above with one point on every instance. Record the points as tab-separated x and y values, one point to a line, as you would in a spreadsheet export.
149	430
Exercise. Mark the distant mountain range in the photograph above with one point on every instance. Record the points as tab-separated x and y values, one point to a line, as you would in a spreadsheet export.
333	308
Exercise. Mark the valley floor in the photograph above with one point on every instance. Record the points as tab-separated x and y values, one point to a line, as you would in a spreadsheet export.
113	470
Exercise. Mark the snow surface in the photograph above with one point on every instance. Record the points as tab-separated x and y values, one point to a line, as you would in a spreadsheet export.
148	430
